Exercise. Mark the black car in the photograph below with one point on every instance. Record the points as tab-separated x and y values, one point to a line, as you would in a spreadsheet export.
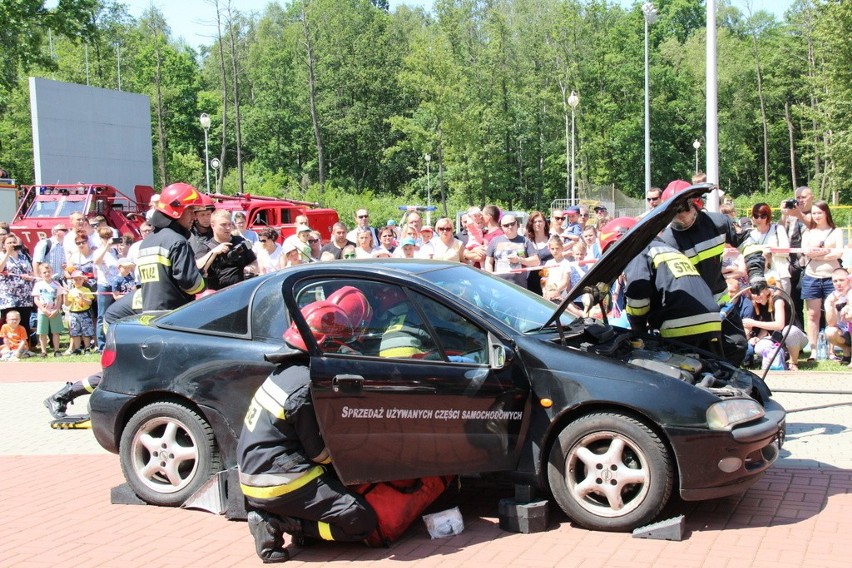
447	370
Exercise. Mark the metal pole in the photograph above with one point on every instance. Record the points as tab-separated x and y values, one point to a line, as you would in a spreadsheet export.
206	161
428	159
647	117
573	161
711	148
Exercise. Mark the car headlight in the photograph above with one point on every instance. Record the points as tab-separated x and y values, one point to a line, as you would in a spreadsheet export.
726	414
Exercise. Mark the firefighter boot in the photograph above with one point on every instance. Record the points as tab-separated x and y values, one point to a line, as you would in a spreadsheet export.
268	537
58	403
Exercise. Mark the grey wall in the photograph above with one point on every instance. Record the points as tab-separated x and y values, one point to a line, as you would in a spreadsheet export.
91	135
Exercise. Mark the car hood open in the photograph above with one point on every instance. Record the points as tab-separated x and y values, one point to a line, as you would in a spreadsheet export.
615	260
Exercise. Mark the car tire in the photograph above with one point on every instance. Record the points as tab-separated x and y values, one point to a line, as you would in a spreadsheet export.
167	453
610	472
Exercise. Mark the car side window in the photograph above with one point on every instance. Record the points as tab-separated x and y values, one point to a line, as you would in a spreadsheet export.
269	317
461	340
223	313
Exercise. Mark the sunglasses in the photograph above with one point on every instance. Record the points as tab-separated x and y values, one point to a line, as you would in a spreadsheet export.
313	241
507	225
363	216
81	242
348	256
559	218
443	229
585	215
262	240
760	216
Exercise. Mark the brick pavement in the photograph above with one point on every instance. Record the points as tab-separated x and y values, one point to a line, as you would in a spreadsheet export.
55	510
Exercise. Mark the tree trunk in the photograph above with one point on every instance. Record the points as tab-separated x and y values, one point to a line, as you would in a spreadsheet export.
762	111
311	63
791	134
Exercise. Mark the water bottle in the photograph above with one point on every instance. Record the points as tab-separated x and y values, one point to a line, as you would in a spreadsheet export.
822	347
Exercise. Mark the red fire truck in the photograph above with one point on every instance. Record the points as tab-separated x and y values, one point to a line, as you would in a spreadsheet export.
43	206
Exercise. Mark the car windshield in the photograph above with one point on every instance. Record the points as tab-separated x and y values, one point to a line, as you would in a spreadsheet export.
61	207
520	309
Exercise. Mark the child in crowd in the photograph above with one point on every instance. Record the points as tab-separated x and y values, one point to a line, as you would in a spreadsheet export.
48	297
554	276
15	345
123	283
79	301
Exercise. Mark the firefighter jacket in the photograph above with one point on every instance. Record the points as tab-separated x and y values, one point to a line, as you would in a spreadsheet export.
665	291
280	447
166	267
704	244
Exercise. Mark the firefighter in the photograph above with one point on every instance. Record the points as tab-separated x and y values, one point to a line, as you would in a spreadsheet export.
665	292
701	236
283	462
166	263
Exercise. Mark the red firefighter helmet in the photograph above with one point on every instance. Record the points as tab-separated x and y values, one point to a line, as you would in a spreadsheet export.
175	198
389	296
354	303
206	203
676	187
614	230
327	321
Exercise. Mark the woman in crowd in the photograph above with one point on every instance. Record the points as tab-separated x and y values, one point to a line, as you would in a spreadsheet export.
538	232
364	247
765	232
387	242
267	250
770	315
446	246
106	269
823	244
291	254
16	281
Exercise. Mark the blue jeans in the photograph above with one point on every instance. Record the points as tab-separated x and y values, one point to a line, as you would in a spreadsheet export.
105	300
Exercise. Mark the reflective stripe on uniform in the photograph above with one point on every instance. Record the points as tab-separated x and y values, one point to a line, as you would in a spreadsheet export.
324	530
692	325
704	250
272	491
199	287
272	397
638	306
87	385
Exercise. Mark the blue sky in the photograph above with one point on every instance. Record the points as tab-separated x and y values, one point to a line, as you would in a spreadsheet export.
194	21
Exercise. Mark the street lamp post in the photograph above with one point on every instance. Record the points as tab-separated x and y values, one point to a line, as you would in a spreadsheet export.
696	144
650	17
573	101
428	160
204	119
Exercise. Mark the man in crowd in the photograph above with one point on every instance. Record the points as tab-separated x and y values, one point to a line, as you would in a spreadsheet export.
601	217
78	222
362	223
491	226
510	252
653	197
224	258
838	314
338	241
52	249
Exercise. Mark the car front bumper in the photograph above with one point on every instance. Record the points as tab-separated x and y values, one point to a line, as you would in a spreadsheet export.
716	464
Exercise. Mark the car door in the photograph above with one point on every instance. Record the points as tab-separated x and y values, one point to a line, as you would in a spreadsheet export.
419	390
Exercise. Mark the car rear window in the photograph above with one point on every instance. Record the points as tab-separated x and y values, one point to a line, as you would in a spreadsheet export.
225	312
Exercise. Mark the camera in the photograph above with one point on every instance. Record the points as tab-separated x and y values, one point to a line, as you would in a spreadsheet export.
791	204
19	247
237	251
116	240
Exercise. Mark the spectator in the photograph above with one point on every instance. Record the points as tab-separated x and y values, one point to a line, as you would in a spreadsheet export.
106	269
653	197
555	275
223	259
82	259
446	246
78	224
79	301
16	281
300	241
557	222
267	250
823	244
795	227
386	241
413	219
122	247
123	283
52	249
407	248
426	250
408	232
584	217
348	252
240	228
474	240
511	252
770	315
838	314
290	255
771	235
362	224
364	248
338	241
537	231
145	229
48	297
315	242
491	226
601	216
573	229
590	239
15	344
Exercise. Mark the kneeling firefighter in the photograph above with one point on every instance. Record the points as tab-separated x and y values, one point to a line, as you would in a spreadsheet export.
283	461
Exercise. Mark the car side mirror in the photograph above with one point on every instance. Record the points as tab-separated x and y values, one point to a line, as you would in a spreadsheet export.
501	355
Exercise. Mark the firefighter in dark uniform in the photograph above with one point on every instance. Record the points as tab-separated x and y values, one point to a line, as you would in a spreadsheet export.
665	292
166	263
283	462
702	236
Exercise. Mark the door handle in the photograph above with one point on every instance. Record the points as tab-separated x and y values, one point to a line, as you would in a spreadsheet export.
347	383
